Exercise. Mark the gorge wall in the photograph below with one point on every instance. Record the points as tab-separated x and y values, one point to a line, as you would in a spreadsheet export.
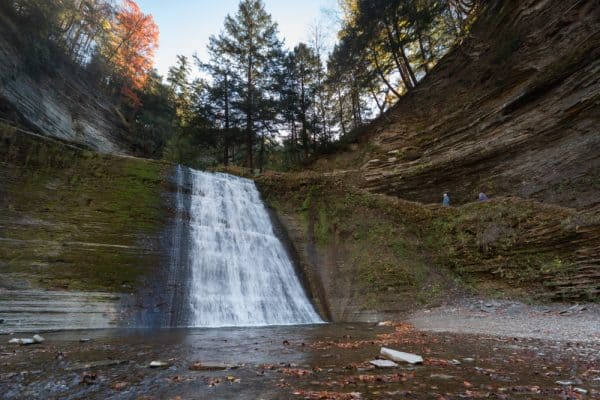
513	110
62	104
84	237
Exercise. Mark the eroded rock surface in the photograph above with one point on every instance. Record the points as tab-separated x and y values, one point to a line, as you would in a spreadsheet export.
513	110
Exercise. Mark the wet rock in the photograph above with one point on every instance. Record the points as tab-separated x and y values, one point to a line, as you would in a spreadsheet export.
23	341
119	386
84	340
1	321
383	363
209	366
401	356
88	378
566	383
441	376
158	364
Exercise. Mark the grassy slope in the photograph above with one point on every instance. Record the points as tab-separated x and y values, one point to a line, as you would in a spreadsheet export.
75	219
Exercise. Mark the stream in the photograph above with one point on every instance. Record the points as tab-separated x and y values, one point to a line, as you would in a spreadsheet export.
303	362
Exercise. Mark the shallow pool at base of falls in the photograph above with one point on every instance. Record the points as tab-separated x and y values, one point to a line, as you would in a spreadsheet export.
292	363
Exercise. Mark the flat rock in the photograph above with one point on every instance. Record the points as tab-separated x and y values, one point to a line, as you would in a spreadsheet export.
23	341
383	363
441	376
566	383
209	366
401	356
158	364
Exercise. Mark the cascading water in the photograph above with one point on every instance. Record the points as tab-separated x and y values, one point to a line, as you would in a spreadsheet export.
241	274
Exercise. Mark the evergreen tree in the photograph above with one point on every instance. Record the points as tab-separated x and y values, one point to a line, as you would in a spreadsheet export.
250	45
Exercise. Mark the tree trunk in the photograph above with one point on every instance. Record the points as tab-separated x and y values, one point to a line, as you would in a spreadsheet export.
303	107
227	127
426	58
382	75
341	112
379	105
249	120
401	68
261	157
408	67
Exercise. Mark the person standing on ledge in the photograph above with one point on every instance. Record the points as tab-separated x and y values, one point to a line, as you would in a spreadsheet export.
483	197
446	200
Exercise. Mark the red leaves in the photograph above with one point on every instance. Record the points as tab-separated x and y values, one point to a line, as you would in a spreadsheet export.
403	334
438	362
134	40
325	395
295	372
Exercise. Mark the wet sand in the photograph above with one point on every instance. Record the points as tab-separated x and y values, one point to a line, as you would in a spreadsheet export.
314	362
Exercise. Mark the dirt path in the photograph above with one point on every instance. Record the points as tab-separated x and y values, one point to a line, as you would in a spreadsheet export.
563	322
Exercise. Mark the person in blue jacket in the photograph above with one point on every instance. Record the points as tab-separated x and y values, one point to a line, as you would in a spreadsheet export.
446	200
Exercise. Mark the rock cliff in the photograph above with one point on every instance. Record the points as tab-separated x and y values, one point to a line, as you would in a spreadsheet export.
63	105
84	236
513	110
374	256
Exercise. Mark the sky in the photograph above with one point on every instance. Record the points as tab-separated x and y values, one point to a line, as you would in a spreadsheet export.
186	25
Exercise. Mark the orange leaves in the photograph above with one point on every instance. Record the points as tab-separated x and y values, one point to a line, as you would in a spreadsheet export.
324	395
133	41
403	334
295	372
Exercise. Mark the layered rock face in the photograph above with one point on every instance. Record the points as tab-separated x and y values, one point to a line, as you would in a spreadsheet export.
514	110
369	256
84	237
62	106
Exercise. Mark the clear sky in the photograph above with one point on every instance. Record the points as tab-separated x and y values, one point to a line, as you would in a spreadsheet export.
186	25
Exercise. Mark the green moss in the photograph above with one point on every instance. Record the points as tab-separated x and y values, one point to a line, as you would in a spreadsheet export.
504	247
80	220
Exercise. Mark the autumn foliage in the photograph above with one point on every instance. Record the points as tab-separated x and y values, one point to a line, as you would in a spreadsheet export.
133	41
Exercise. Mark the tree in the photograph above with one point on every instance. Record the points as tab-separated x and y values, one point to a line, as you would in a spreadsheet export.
178	79
302	72
131	44
250	45
222	95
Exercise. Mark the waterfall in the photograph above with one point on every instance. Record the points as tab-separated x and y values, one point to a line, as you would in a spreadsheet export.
240	272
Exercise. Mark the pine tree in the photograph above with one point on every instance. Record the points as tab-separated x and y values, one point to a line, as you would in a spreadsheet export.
250	45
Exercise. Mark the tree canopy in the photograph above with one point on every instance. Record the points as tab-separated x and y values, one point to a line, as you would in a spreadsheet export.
252	102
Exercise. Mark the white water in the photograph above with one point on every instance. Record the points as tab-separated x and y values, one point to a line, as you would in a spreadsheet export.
241	273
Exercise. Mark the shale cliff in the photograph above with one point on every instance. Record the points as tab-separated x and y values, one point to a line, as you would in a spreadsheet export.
84	237
61	104
513	110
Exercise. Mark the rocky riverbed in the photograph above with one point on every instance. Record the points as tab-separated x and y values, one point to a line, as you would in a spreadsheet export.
313	362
